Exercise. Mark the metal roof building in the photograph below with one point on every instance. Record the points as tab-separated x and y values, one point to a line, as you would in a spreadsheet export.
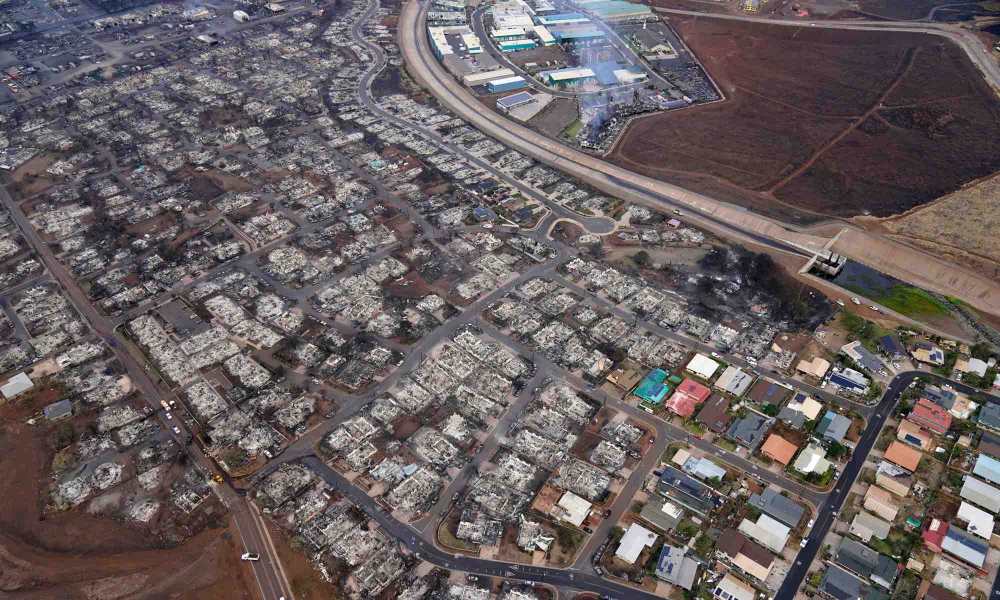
676	567
480	78
866	526
702	366
18	384
617	10
652	388
576	33
782	508
543	35
981	493
833	426
569	76
734	380
563	19
988	468
961	545
767	532
662	513
862	560
515	45
636	539
980	522
750	430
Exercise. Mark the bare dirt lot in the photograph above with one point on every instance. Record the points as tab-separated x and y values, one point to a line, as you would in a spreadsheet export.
912	9
74	555
961	227
555	117
823	122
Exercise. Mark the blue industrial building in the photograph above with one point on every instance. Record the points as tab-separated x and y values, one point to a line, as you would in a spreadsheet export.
506	84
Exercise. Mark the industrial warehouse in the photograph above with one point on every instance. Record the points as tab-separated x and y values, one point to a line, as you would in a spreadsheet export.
589	70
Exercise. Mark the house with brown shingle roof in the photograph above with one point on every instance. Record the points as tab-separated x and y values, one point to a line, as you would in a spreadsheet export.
752	558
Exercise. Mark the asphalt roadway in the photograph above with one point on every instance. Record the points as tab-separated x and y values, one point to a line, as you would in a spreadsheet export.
598	173
726	220
835	501
268	571
411	538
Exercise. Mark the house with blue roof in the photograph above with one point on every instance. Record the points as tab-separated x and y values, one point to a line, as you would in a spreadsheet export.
988	468
833	427
962	545
652	388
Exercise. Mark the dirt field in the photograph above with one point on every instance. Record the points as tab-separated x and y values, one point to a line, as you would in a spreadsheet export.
823	122
555	117
74	555
904	9
960	227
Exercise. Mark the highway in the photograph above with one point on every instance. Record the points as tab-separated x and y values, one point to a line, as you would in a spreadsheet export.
613	180
721	218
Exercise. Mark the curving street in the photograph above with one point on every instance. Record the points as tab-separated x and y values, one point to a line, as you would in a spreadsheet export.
973	47
726	220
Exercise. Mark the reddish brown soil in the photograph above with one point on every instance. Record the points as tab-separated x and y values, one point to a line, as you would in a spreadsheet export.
75	555
904	10
306	582
823	122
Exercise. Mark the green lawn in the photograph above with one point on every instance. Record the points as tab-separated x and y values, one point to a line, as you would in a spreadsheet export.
573	129
911	301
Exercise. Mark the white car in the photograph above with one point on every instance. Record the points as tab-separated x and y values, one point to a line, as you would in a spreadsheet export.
167	414
840	302
177	430
803	543
250	556
855	300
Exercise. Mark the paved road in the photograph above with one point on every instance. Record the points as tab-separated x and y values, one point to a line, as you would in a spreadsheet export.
721	218
411	538
479	29
828	512
268	571
614	180
977	52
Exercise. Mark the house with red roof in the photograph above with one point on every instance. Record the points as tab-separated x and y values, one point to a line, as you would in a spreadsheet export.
686	398
934	535
930	416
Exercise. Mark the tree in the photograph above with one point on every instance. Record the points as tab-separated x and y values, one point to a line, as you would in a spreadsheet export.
715	260
641	259
63	435
836	450
703	545
981	350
